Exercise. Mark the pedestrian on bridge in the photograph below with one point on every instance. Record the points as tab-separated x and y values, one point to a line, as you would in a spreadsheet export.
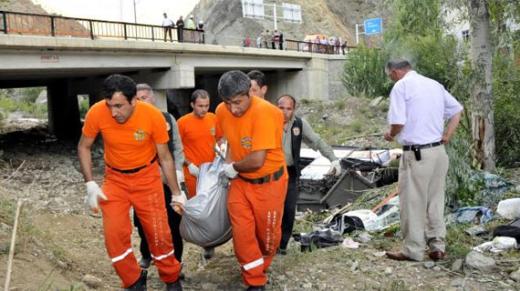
135	142
168	25
180	28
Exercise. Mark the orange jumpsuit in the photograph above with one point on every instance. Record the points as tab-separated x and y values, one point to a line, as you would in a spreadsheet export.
198	139
130	146
255	209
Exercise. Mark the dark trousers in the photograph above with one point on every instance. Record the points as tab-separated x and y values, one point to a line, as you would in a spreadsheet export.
180	36
289	210
168	31
174	220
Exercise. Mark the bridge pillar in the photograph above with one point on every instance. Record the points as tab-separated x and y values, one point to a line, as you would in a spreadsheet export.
63	110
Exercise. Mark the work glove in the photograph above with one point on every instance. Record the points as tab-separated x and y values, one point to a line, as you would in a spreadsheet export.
178	202
93	195
229	171
335	168
194	170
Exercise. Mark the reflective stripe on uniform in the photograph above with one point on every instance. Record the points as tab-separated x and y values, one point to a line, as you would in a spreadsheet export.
158	258
119	258
253	264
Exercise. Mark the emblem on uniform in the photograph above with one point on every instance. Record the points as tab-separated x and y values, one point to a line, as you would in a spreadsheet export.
296	131
139	135
212	131
246	142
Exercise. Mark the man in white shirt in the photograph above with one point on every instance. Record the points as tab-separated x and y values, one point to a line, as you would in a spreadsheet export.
168	25
419	107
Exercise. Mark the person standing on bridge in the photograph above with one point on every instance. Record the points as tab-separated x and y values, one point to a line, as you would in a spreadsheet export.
180	27
258	84
168	25
419	107
256	166
295	131
135	138
145	94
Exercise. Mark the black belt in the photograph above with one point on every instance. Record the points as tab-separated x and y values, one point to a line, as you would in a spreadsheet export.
134	170
265	179
421	146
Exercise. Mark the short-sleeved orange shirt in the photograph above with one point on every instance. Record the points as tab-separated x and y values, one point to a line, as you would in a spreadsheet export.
131	144
260	128
198	137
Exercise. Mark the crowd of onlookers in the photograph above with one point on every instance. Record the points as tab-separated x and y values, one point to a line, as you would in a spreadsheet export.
320	44
188	30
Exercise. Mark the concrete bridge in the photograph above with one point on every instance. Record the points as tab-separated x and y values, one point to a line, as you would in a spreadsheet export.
70	66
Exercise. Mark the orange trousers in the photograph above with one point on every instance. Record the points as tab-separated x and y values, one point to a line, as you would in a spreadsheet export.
144	192
191	183
256	214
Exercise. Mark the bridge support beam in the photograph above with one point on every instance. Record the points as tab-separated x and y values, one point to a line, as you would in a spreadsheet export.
63	110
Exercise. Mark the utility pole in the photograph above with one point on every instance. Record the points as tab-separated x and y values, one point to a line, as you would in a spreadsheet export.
135	13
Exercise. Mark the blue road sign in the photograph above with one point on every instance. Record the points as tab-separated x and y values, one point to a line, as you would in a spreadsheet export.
373	26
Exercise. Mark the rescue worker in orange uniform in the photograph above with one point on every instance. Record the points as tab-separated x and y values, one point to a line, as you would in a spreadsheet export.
197	131
135	142
255	164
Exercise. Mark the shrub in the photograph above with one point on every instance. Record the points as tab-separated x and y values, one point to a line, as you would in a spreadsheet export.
364	73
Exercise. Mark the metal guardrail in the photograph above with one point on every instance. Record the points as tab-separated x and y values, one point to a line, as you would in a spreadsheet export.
305	46
52	25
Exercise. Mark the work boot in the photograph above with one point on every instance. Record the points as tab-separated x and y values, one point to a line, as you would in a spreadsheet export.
174	286
140	284
209	253
255	288
145	262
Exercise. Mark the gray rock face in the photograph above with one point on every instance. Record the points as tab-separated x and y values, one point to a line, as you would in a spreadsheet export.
457	265
515	275
91	281
480	262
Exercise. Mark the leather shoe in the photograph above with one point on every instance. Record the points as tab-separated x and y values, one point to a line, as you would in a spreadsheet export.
398	256
437	255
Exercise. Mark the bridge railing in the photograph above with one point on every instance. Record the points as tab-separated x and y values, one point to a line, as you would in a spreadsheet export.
307	46
52	25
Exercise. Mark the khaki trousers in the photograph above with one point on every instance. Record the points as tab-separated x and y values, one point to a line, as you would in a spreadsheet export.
422	185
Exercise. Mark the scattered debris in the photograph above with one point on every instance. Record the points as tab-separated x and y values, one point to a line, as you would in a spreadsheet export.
499	244
476	215
349	243
363	237
476	230
429	264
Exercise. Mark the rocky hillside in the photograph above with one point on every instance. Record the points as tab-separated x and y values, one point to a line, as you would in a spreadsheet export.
224	23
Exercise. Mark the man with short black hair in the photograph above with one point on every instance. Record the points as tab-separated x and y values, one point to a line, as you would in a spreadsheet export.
419	107
256	166
135	140
295	131
258	84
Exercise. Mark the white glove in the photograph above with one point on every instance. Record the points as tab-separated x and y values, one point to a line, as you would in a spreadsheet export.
229	170
178	202
194	170
180	176
93	195
335	168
